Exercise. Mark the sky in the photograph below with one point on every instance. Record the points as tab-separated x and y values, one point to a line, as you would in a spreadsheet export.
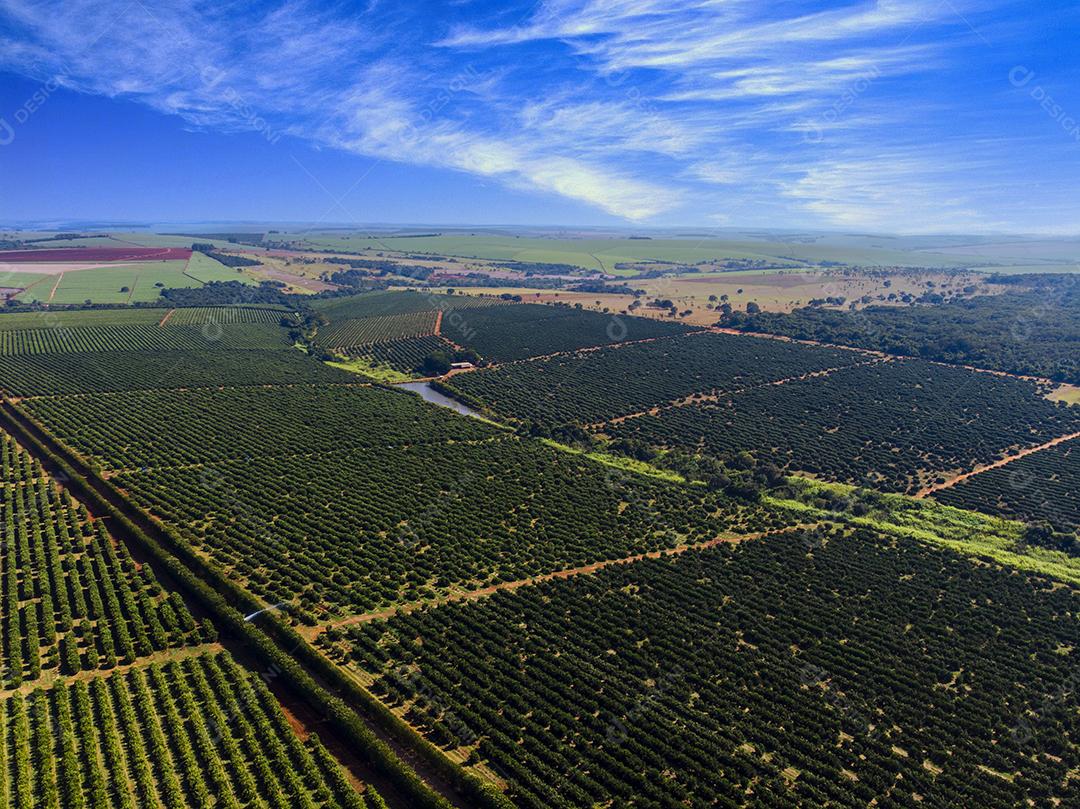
889	116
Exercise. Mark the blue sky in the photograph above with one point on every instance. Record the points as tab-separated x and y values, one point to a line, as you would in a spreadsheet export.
917	116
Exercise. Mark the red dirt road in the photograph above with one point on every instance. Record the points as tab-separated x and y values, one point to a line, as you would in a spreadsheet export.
978	470
97	254
483	592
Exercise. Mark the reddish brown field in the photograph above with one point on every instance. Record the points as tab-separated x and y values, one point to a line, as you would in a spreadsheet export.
97	254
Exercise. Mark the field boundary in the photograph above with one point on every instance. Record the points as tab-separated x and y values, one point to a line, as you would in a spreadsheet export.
701	396
885	354
86	675
978	470
566	573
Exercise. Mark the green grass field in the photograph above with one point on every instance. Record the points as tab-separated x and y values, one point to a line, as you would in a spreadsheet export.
119	239
203	268
129	283
604	253
24	280
10	321
591	254
125	283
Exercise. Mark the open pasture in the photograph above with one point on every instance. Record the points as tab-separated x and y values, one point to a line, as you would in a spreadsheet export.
121	283
602	254
97	254
136	275
698	297
206	269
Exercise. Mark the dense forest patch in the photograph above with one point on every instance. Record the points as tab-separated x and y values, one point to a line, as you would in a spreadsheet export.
1035	333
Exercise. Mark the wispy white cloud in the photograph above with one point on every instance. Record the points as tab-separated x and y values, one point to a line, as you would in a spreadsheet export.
378	120
639	108
598	126
891	190
315	75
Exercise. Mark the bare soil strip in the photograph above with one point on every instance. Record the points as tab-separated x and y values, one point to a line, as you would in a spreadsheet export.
165	319
474	595
56	286
978	470
591	349
694	398
1037	379
438	324
53	678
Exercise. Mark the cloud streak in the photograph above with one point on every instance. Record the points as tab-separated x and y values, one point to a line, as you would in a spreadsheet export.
647	110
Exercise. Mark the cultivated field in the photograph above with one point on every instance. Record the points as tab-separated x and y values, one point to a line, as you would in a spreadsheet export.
342	334
108	274
607	592
114	696
146	337
1041	486
696	679
597	386
592	253
108	371
370	528
698	297
516	332
895	426
404	355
